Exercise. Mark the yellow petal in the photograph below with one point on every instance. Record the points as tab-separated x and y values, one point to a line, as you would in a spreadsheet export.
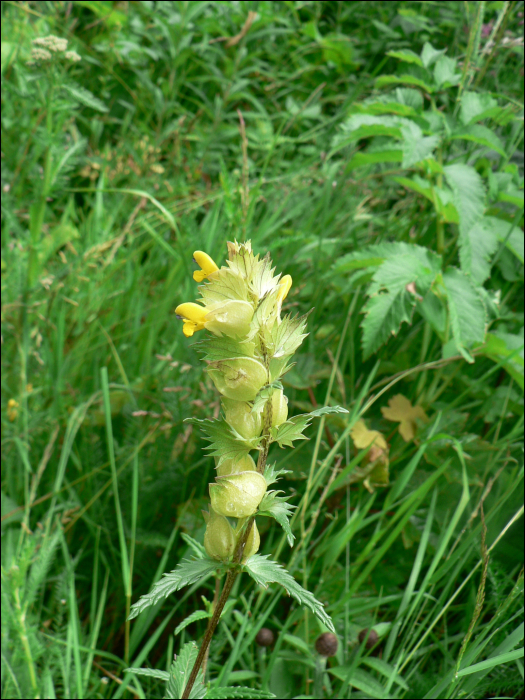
191	312
206	264
284	288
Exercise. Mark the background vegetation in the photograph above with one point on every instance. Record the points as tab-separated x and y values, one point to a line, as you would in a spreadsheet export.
381	165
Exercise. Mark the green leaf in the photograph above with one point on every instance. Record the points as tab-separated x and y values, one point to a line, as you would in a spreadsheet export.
290	430
418	265
85	97
469	194
220	693
429	55
384	669
196	615
287	336
476	248
493	661
277	507
225	442
149	672
477	106
326	410
264	394
187	573
180	672
384	315
216	349
338	49
361	680
370	256
466	311
386	80
197	547
479	134
271	474
445	72
416	147
507	349
264	571
363	158
407	56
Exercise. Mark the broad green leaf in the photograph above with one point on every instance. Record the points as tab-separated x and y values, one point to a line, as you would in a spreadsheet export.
180	671
363	158
85	97
469	194
370	256
406	55
417	184
429	55
416	147
338	49
277	507
186	573
384	315
220	693
476	248
264	571
385	80
466	311
418	265
507	349
479	134
445	72
477	106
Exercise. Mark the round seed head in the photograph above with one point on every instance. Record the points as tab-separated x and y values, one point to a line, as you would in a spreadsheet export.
264	637
326	644
372	640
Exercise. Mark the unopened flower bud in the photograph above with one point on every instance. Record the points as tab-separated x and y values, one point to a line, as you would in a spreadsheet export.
228	466
252	544
265	637
238	378
279	408
219	538
372	639
326	644
238	495
239	415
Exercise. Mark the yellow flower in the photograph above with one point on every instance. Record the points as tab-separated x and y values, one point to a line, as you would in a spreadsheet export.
12	409
206	264
193	316
284	288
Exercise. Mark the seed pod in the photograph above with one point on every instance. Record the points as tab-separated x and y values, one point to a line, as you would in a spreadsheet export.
279	408
241	418
238	378
219	538
326	644
252	544
238	495
265	637
372	640
227	466
231	318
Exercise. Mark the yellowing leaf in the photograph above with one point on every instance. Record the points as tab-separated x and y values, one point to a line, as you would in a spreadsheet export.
400	410
375	473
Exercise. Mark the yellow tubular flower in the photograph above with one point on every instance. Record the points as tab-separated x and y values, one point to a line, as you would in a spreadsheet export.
193	316
284	288
206	264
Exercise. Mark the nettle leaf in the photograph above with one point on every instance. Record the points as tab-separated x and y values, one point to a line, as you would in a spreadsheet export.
481	135
216	349
292	429
150	672
477	246
196	615
466	311
265	571
445	72
371	256
429	55
477	106
180	672
188	572
277	507
237	691
225	442
417	265
416	147
384	315
271	474
469	194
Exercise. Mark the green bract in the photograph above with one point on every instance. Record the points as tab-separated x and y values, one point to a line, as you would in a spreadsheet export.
240	417
219	538
238	495
238	378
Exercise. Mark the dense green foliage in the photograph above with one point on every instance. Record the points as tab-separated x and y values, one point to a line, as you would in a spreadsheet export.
375	149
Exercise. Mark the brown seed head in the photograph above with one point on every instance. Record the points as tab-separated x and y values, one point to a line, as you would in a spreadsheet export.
372	640
326	644
264	637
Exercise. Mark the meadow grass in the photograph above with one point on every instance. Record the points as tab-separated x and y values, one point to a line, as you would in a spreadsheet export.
179	130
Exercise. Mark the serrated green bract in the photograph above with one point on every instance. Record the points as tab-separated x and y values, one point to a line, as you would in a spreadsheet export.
292	429
180	672
196	615
186	573
287	336
466	310
271	474
264	571
264	394
278	507
222	693
216	349
224	442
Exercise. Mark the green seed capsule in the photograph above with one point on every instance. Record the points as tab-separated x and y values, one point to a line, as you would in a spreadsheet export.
245	464
252	544
279	408
239	415
219	538
238	378
238	495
